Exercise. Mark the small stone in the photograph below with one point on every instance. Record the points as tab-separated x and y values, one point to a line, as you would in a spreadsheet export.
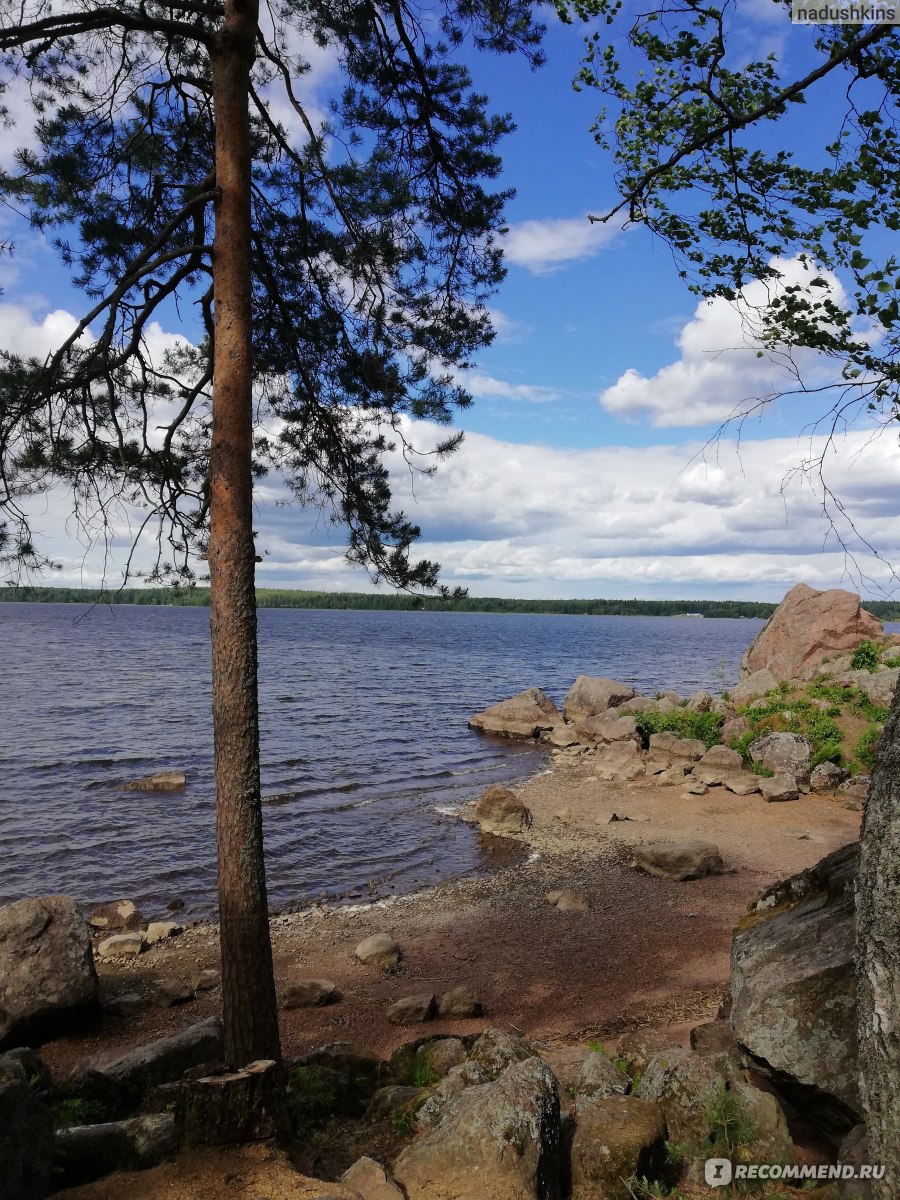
159	931
308	993
569	901
564	816
460	1002
696	789
175	905
121	945
379	950
412	1010
117	914
169	992
206	981
368	1179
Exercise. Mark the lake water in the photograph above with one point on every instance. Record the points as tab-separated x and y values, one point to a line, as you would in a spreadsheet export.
365	748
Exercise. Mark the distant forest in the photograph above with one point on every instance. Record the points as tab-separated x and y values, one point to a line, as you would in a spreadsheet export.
402	602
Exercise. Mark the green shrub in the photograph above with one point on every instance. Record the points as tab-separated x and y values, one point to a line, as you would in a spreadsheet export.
704	726
830	751
865	656
761	769
74	1110
743	743
866	748
423	1073
311	1097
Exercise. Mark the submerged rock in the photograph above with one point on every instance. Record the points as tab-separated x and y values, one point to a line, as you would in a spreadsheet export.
525	715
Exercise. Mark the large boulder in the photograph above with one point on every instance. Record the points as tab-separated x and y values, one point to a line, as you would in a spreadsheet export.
877	686
783	753
26	1143
608	727
47	974
616	1139
793	985
593	694
679	860
499	811
806	627
525	715
499	1139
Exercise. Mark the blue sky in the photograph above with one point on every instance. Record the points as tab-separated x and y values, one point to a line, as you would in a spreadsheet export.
587	468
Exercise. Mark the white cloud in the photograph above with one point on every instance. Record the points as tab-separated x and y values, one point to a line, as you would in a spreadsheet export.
486	387
545	246
719	374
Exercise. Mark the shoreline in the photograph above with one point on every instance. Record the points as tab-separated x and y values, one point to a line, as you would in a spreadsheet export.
647	954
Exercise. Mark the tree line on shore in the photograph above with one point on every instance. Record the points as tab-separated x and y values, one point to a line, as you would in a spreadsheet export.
198	597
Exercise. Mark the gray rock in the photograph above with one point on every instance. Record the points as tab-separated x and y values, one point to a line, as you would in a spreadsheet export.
616	1139
378	950
47	974
116	915
26	1143
122	945
744	784
500	811
779	787
561	736
496	1050
526	715
712	776
853	792
697	787
308	993
879	686
826	777
701	702
444	1054
684	1084
412	1010
394	1098
169	992
713	1037
206	981
26	1065
721	756
599	1079
783	753
637	704
89	1152
689	749
620	761
758	684
679	860
792	983
607	727
499	1139
593	694
460	1002
368	1179
734	728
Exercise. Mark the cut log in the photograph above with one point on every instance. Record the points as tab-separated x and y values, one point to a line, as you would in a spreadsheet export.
241	1106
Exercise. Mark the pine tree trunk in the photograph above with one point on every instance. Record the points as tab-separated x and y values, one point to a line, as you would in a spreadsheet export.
878	958
248	986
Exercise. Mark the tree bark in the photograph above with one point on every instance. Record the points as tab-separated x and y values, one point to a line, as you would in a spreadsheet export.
878	958
248	986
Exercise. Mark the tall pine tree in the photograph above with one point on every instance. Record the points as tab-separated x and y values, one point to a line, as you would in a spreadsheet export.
337	274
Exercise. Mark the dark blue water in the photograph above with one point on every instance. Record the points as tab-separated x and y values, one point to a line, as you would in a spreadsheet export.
364	739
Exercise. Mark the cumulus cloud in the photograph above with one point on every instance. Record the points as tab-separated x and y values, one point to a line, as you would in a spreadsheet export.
719	373
486	387
544	246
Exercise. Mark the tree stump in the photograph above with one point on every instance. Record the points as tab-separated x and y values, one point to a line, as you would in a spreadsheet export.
240	1106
